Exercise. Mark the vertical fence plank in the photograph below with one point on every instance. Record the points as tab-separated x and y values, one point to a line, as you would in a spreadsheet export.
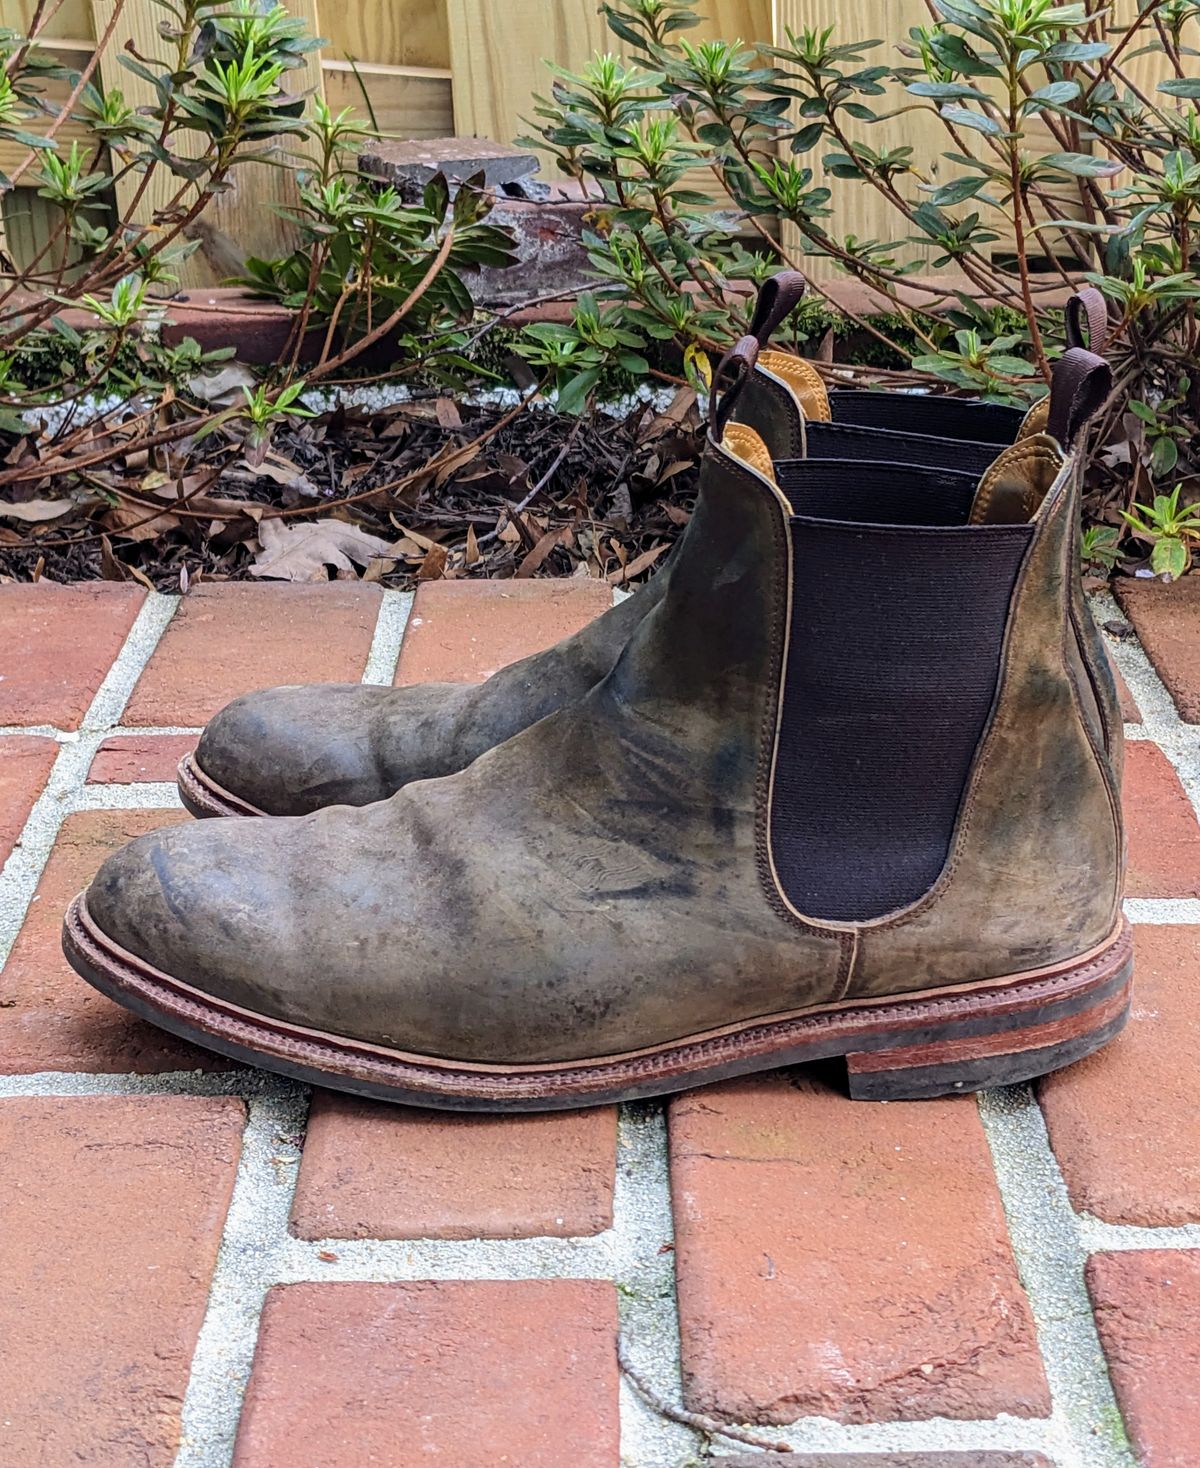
859	208
388	33
247	214
1148	70
496	55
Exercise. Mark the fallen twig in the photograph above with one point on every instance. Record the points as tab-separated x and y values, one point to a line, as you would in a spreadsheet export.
699	1421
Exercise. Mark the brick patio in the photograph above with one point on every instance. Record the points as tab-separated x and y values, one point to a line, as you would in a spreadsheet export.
205	1267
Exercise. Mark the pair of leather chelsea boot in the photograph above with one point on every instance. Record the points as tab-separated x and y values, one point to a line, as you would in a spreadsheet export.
842	781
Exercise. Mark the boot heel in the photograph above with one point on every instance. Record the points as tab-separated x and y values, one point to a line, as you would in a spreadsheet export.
1002	1043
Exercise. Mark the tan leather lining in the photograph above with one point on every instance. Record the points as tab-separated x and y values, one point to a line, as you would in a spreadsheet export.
744	443
803	379
1023	470
1035	420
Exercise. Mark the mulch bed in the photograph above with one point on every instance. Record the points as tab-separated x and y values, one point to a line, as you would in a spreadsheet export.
421	490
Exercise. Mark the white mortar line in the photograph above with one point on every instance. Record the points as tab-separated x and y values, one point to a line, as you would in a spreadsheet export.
929	1435
146	795
113	694
134	731
45	731
1162	909
1050	1253
122	731
394	610
1099	1237
255	1226
644	1238
239	1082
19	878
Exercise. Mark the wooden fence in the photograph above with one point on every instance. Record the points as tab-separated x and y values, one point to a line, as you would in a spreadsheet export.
427	68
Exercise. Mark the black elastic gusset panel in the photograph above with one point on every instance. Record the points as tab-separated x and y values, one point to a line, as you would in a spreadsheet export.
927	413
876	493
892	667
848	441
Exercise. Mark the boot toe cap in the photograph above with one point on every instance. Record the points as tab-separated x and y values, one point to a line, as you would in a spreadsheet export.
250	913
293	750
144	904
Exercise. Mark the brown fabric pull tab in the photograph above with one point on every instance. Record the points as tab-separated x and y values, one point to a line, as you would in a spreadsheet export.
1079	386
1087	320
777	299
728	380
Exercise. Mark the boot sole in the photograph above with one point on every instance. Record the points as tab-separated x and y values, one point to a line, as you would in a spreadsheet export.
203	797
995	1033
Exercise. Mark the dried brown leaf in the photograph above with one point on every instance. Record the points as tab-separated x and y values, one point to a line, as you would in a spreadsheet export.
110	567
303	552
638	564
36	512
134	521
222	389
447	413
283	472
541	550
433	567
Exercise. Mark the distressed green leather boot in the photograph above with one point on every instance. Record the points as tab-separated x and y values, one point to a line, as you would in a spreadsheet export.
292	750
850	790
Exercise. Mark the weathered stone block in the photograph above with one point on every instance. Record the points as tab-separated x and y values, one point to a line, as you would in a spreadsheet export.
409	164
548	237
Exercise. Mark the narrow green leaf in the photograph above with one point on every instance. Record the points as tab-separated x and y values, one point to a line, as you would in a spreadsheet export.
956	191
980	121
1082	165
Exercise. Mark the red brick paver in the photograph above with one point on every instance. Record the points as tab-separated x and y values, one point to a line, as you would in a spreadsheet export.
394	1173
1124	1122
129	759
58	643
846	1260
1164	835
463	631
51	1019
1147	1305
1129	709
470	1374
25	762
110	1213
1167	620
230	639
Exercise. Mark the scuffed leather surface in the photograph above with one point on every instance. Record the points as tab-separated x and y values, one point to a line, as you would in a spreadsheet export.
1035	870
595	885
586	888
768	406
292	750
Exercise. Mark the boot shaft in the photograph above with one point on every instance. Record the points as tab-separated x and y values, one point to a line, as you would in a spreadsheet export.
934	767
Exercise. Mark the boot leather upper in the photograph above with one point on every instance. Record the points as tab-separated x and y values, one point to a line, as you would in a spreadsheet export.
294	749
602	882
588	887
